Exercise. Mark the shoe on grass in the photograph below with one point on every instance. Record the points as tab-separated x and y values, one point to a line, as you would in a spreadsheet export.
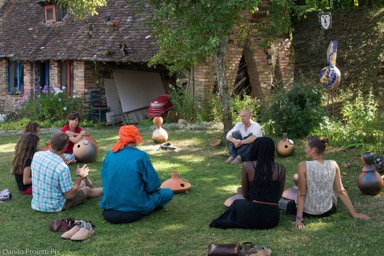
230	159
237	160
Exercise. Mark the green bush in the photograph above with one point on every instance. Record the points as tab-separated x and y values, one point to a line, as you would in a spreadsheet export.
184	104
49	104
240	102
296	112
360	126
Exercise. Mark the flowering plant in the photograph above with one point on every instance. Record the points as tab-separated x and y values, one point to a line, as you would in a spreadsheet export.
49	104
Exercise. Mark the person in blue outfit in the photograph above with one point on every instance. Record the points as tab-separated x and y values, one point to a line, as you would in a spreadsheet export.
130	182
241	137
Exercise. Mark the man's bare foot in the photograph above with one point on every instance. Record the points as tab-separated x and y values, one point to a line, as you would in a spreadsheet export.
72	161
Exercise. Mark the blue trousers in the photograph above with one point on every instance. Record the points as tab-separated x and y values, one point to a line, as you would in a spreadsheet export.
242	151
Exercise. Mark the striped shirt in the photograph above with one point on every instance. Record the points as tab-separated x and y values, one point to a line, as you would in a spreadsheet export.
51	178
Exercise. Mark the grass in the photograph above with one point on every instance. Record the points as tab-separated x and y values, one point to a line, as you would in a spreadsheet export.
181	228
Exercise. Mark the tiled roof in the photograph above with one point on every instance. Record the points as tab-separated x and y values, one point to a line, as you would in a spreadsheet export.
25	36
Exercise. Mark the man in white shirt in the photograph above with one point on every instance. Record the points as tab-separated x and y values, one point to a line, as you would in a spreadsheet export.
241	136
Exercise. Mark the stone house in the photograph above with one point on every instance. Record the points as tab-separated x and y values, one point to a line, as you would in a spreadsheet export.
43	45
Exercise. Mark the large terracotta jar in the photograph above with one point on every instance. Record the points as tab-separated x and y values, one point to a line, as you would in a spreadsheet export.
86	150
159	135
369	181
285	147
177	184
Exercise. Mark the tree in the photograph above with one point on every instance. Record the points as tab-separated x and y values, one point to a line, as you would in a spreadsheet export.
80	7
188	31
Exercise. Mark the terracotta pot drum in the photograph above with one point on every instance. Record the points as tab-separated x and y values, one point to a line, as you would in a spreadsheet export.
85	150
285	147
158	121
159	135
369	181
178	185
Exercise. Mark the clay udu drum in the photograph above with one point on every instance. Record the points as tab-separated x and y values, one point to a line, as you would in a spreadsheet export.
86	150
159	135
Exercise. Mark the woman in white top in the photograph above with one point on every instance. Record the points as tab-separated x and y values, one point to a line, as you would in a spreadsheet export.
317	178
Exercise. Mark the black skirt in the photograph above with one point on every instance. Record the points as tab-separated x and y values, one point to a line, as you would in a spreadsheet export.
248	214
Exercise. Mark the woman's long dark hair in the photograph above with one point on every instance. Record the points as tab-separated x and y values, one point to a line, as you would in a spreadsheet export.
27	147
263	152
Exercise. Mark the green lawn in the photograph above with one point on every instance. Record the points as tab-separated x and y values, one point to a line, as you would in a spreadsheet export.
182	227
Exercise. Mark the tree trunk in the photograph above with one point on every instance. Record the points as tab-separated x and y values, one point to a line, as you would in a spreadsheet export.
222	84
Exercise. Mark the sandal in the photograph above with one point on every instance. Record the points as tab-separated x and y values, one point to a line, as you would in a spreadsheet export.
167	146
263	251
249	249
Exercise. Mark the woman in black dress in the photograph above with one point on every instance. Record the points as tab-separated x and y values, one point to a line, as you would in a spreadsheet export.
263	183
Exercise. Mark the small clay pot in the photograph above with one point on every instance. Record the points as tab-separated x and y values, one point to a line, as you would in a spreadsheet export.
178	185
285	147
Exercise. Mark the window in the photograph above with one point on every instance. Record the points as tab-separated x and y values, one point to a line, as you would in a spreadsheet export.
50	13
54	13
15	77
61	11
66	74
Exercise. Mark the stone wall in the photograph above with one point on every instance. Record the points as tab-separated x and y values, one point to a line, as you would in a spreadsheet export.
267	67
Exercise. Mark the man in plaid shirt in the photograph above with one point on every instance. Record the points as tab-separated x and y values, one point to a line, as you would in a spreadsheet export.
53	189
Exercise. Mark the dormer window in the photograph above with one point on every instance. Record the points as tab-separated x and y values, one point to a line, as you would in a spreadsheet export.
54	13
50	13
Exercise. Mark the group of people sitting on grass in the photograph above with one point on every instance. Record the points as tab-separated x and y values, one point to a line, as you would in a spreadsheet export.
131	185
130	182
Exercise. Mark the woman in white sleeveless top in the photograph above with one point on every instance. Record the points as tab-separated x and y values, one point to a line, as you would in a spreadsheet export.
317	178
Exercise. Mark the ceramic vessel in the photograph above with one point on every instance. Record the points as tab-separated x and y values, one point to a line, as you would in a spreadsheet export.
369	181
159	135
216	143
177	184
85	150
231	199
285	147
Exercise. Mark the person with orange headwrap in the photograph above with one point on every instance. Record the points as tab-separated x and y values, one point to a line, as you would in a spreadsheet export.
131	185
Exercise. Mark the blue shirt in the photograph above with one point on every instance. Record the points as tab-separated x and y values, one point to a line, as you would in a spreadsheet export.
130	183
51	178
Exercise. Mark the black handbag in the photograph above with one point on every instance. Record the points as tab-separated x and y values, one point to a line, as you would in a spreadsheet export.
224	249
